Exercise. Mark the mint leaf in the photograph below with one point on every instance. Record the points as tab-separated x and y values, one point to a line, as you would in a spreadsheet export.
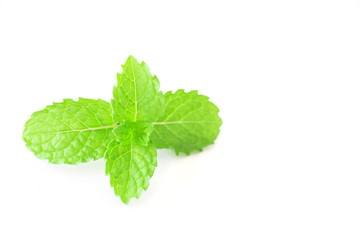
136	95
71	131
137	131
131	162
127	131
190	123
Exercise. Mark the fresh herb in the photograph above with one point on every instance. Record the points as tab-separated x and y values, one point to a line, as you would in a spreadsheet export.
127	131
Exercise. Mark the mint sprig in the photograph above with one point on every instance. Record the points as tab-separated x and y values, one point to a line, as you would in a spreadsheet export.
127	131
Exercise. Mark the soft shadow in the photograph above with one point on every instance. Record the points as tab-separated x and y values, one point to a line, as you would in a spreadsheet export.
91	167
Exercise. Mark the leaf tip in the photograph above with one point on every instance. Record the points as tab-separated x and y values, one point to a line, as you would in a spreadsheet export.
131	59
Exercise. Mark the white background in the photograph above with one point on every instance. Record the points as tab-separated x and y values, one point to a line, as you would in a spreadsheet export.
285	75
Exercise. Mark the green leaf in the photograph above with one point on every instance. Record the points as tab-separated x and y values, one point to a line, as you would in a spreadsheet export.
70	131
130	165
136	97
139	132
190	123
127	131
